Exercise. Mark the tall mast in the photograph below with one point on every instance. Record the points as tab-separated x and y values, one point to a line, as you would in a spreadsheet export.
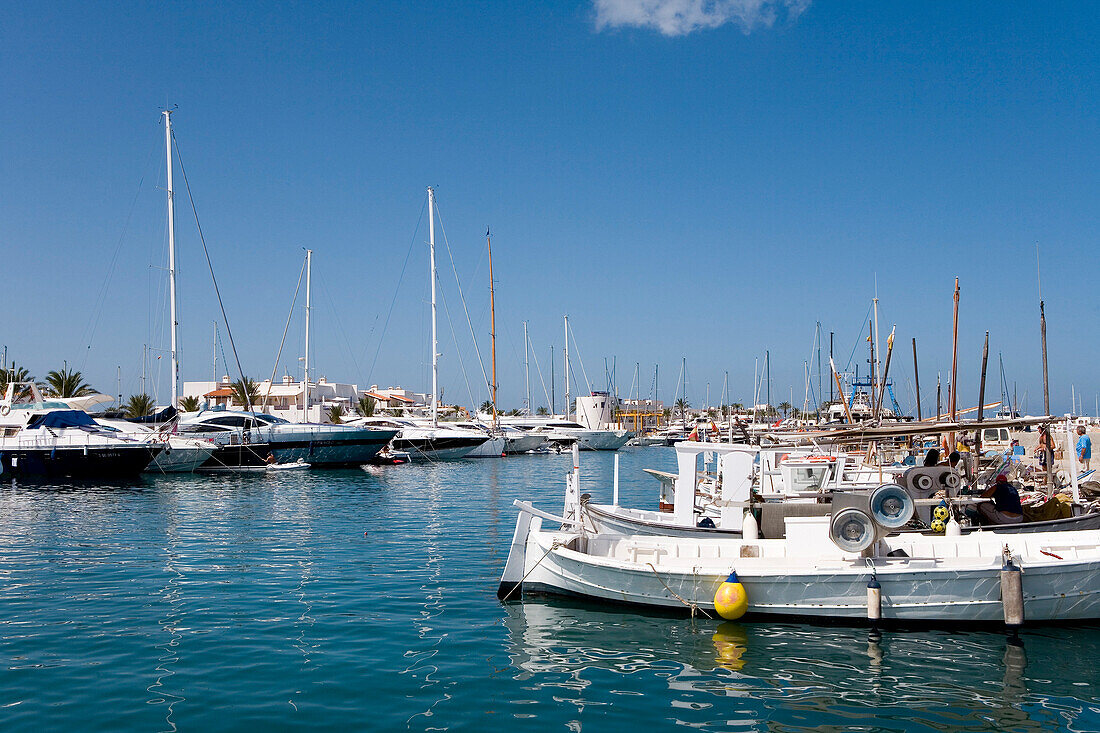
567	367
215	343
527	367
172	258
952	389
309	274
435	348
492	323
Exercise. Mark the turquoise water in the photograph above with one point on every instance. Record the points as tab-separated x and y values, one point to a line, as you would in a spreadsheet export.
339	600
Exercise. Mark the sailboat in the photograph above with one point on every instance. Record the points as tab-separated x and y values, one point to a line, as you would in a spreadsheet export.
247	439
427	439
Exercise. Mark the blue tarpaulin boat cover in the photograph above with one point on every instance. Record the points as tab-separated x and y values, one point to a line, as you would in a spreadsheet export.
62	419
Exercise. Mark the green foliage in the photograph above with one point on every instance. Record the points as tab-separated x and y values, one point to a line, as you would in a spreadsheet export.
139	405
367	405
542	411
682	406
785	407
189	404
67	383
246	393
486	407
14	374
336	414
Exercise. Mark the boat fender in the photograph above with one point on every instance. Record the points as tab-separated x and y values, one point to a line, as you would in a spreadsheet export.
750	528
874	600
730	600
1012	592
953	528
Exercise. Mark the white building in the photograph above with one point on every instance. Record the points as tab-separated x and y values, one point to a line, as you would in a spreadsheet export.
283	398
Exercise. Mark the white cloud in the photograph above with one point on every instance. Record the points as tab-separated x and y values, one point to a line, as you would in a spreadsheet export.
680	17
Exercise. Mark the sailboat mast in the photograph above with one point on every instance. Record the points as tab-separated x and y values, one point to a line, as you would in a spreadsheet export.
567	367
172	258
492	323
309	274
527	367
435	348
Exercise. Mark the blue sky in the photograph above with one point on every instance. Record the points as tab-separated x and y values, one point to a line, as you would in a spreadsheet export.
683	179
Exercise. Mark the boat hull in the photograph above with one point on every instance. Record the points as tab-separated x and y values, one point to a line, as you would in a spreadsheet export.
437	449
491	448
122	461
939	588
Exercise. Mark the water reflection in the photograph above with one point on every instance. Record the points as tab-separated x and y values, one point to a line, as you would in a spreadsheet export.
787	677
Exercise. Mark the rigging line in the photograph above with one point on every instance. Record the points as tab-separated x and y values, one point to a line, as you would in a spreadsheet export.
279	354
863	325
454	338
210	266
101	297
581	360
447	245
545	393
340	327
396	290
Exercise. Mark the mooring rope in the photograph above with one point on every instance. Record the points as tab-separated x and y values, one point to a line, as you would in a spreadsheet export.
553	546
690	605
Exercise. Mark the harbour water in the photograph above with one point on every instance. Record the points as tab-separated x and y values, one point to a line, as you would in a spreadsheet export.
365	600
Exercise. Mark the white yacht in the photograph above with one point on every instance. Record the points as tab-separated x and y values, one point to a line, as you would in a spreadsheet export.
179	455
440	442
566	432
254	438
46	439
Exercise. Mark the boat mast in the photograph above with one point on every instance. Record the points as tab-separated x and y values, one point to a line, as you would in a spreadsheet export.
527	367
492	323
567	367
435	349
309	273
172	258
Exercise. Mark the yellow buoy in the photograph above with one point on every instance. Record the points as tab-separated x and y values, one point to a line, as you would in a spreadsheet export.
730	600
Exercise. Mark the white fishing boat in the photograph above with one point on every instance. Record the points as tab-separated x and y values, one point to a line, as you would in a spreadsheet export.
828	567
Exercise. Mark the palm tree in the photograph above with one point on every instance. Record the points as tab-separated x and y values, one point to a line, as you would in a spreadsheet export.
245	392
139	405
542	410
336	414
14	374
737	407
68	383
486	407
189	404
785	407
682	406
367	405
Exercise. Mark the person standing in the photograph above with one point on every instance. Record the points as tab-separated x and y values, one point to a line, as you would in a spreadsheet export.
1084	448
